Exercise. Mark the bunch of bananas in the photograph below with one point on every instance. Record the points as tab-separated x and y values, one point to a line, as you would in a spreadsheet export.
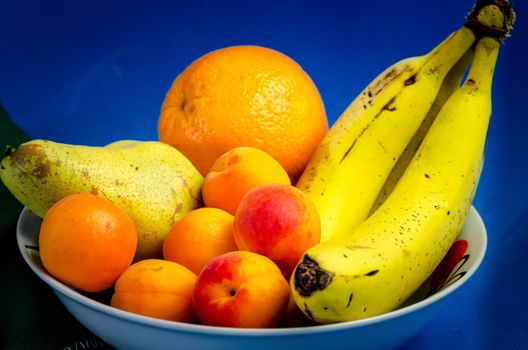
395	177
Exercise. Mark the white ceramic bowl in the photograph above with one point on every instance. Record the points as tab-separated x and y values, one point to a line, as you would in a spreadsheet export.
125	330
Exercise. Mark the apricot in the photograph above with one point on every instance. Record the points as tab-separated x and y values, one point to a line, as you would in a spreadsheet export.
277	221
199	236
237	171
241	289
156	288
86	242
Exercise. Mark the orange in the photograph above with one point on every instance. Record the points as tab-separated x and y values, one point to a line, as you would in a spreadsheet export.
236	172
156	288
86	242
244	96
198	237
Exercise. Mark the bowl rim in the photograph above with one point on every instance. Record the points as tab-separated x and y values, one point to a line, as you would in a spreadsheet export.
70	293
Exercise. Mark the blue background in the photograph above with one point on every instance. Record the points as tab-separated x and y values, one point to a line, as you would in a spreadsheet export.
92	72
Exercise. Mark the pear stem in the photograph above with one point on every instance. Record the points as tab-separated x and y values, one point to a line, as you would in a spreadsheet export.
9	150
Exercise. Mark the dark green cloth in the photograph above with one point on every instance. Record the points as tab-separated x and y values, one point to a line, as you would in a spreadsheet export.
31	316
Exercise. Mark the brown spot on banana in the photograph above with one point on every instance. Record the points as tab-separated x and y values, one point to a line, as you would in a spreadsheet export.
387	106
350	296
308	312
354	247
391	75
382	146
411	80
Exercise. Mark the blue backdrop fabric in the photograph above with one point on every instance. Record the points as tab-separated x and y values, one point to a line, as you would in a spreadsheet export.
92	72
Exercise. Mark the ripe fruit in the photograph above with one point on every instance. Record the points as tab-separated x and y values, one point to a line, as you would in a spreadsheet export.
387	257
241	289
198	237
87	242
156	288
236	172
152	181
278	221
349	168
244	96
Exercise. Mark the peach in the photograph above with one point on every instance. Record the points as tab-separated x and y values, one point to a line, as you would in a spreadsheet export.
277	221
241	289
199	236
156	288
237	171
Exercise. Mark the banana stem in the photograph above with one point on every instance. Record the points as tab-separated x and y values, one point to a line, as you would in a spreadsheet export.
492	18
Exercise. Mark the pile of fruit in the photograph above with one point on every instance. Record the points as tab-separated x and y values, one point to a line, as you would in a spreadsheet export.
249	211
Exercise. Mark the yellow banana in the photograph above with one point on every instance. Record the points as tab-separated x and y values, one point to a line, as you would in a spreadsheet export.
349	168
387	257
450	84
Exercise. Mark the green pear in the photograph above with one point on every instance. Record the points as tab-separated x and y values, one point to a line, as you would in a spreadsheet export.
152	181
